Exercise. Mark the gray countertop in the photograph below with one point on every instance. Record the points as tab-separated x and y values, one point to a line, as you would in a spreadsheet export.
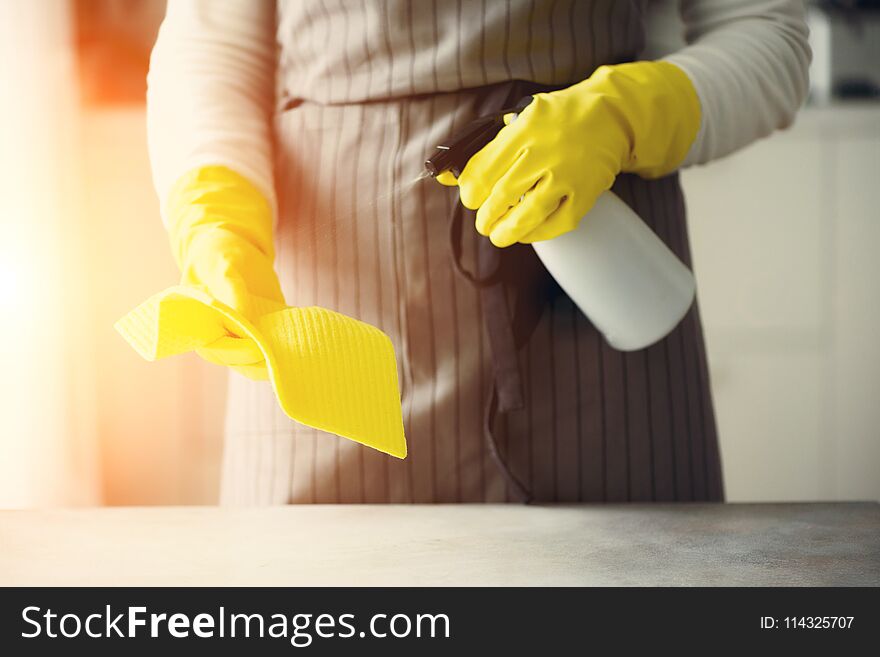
686	544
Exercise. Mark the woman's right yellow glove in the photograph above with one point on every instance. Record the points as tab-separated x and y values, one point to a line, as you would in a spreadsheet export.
220	227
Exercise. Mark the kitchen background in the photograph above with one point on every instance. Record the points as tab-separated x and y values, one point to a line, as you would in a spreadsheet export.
786	236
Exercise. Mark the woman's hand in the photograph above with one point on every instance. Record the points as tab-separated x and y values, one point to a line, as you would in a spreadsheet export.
220	228
544	171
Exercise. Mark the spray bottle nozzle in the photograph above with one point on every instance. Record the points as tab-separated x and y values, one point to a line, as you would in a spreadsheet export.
453	154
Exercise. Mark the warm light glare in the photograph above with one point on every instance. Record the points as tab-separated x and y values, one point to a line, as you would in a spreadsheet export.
12	296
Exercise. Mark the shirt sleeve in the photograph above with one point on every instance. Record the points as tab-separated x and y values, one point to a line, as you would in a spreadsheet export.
749	63
210	92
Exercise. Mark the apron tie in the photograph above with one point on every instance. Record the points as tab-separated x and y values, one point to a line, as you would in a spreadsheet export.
501	273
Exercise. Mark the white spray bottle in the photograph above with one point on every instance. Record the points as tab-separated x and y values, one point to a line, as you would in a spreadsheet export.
622	276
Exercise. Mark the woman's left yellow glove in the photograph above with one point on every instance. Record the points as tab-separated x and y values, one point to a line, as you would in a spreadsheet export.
543	172
220	228
328	371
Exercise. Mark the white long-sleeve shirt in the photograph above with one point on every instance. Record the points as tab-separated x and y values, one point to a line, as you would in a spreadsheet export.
211	82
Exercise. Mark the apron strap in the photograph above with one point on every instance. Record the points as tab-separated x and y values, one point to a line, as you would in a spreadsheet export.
497	270
490	413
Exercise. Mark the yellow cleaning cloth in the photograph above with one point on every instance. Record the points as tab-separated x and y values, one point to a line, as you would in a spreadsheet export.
328	371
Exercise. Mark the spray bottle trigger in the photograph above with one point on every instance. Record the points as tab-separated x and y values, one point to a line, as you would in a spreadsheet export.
455	152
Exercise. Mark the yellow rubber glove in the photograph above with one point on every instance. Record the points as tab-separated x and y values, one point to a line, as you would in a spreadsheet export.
328	371
220	228
544	171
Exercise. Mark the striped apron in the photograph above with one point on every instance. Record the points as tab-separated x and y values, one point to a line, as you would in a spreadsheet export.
366	89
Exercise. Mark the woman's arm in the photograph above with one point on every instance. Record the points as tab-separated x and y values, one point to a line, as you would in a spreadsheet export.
209	100
210	92
748	61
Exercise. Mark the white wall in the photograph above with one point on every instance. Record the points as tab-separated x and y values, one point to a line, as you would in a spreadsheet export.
786	240
160	424
48	454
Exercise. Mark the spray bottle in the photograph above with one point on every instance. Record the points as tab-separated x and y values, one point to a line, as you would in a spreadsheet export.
616	270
